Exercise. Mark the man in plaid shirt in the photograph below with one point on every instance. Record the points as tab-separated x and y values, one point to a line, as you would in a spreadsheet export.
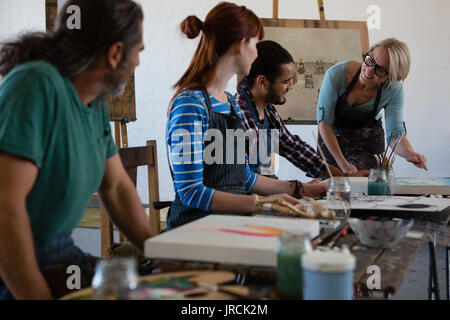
270	78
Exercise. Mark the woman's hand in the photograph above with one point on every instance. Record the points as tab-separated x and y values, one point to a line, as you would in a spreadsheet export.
361	173
348	168
284	196
417	159
315	189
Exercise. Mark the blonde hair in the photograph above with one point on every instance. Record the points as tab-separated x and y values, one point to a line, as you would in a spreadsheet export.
399	58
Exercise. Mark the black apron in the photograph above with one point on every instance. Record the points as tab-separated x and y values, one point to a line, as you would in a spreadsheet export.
359	134
225	177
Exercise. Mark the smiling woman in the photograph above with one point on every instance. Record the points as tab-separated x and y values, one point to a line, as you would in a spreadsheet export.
350	101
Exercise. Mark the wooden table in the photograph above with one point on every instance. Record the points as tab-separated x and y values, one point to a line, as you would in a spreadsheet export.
394	265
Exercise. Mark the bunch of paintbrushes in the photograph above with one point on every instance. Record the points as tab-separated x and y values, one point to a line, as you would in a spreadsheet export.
385	162
314	211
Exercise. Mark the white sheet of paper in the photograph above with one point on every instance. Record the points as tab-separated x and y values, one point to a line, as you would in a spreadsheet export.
394	203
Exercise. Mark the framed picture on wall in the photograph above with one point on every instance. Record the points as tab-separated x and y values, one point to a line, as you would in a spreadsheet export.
315	45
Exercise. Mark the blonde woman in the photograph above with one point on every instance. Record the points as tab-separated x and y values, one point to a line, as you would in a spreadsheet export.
349	108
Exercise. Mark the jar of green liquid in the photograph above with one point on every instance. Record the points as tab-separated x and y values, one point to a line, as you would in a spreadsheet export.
291	247
377	185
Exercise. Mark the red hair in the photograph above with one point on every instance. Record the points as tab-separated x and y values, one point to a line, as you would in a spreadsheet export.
226	24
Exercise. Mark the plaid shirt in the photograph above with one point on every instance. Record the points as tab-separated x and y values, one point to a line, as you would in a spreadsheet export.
291	147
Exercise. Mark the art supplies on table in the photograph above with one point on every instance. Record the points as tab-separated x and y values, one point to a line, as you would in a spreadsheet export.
417	186
328	275
398	203
227	239
186	285
329	224
406	186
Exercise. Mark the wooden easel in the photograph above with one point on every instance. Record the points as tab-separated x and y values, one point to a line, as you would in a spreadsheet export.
275	16
319	4
122	110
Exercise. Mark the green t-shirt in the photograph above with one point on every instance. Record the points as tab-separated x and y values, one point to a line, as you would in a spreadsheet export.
42	119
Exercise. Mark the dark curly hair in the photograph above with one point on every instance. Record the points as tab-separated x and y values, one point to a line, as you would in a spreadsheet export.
71	51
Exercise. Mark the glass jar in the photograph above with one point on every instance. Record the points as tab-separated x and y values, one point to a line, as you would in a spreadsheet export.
390	181
339	197
291	247
114	279
377	184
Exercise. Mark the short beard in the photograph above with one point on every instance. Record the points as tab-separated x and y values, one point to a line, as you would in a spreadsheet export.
273	98
116	82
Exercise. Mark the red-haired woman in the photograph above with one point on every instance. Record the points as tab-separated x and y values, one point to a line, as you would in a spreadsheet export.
207	175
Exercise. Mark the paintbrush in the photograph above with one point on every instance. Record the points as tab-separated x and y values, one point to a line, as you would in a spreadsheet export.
392	161
385	152
216	288
325	237
329	172
338	235
378	161
395	146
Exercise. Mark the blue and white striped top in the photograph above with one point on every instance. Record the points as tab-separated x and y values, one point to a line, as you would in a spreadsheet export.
186	126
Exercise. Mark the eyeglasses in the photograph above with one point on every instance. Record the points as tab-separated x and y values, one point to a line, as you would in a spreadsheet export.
370	62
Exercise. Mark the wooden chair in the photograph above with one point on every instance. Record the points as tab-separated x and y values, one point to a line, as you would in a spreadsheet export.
132	158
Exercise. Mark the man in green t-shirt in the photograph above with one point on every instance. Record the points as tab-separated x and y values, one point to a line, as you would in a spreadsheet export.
56	148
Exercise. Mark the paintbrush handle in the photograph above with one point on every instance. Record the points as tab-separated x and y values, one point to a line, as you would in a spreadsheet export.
337	236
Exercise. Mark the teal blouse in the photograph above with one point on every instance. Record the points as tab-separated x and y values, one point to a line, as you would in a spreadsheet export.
392	99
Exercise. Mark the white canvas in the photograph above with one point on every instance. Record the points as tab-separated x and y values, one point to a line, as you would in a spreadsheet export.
227	239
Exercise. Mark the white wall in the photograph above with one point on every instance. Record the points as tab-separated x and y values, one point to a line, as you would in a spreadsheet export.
423	25
21	15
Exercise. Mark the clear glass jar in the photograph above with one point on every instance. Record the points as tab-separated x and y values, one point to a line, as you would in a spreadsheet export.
291	247
377	184
114	279
390	181
339	197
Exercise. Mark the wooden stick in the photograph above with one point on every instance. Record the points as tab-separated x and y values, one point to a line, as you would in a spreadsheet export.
216	288
385	152
319	240
321	9
395	146
363	273
392	161
329	171
275	9
338	235
323	157
378	161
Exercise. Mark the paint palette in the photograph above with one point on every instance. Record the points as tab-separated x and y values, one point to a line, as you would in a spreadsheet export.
177	286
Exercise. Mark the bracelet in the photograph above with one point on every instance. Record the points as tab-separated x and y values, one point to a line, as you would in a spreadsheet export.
298	187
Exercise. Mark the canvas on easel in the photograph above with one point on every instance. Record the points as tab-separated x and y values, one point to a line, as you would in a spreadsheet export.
315	45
